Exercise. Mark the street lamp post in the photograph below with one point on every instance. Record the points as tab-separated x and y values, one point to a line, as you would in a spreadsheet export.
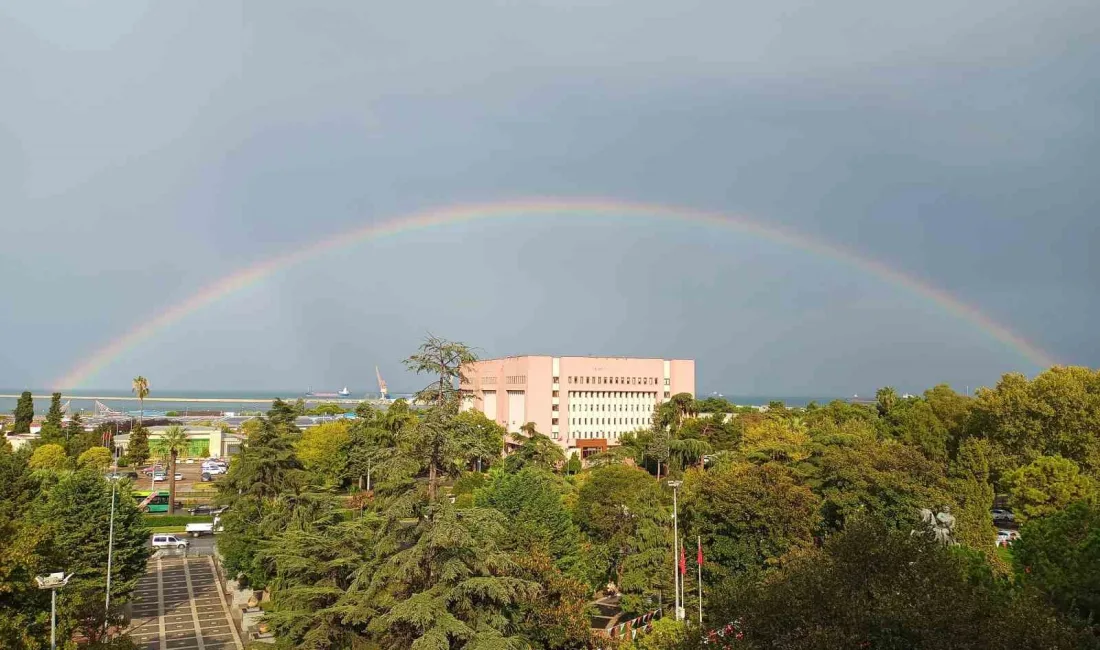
53	582
111	546
675	485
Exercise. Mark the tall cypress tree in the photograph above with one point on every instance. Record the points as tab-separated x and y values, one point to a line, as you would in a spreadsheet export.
51	428
24	413
138	450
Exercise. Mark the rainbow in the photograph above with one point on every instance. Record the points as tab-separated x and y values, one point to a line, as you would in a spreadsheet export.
566	208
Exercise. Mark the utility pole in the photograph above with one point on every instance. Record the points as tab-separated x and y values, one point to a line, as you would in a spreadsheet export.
675	485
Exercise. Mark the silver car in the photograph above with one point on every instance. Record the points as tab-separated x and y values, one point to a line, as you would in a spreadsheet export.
169	540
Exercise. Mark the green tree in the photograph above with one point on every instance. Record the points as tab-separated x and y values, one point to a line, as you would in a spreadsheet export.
267	465
322	451
667	633
434	436
97	458
446	361
952	409
24	413
749	516
137	452
19	616
49	457
625	511
913	422
51	429
556	618
1055	414
969	477
1046	486
284	416
173	441
536	450
316	575
886	398
444	581
366	447
874	586
482	438
1060	555
776	439
886	479
573	465
140	386
531	501
65	529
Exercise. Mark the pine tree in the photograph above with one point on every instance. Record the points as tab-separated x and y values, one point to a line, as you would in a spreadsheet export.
24	413
51	428
137	452
444	582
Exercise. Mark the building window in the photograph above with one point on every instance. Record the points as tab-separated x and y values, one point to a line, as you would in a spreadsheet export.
557	379
554	421
555	394
666	394
666	382
554	407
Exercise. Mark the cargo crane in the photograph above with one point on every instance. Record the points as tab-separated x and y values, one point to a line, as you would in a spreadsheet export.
381	383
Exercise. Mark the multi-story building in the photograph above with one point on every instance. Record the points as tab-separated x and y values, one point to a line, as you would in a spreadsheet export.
577	401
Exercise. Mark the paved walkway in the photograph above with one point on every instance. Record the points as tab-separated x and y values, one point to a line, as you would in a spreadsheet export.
178	606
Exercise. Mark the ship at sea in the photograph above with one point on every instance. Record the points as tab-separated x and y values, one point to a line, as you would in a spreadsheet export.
343	392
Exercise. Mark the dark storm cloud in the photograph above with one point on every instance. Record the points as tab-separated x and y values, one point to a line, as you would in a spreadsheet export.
147	149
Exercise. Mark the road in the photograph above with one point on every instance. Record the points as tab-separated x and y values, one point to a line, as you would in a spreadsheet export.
178	605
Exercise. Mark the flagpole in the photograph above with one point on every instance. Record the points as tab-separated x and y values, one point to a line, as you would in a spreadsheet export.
675	560
700	564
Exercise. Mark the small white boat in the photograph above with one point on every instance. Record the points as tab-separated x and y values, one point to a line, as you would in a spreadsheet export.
344	392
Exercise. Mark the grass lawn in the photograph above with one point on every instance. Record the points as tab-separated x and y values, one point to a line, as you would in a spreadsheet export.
178	522
166	529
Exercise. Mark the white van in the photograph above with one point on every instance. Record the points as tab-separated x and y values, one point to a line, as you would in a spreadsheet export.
170	541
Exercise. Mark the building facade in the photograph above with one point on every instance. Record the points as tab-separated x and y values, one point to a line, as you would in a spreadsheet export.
573	399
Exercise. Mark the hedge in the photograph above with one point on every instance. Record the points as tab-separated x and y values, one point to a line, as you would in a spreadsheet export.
176	520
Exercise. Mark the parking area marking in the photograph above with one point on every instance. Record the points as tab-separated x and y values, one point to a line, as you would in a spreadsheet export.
178	605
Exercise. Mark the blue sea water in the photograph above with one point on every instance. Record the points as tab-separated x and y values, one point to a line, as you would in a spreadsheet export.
83	400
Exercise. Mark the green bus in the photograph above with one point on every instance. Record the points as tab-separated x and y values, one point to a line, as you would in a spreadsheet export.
150	501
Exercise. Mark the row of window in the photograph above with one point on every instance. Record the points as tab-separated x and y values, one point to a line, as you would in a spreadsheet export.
609	407
588	394
516	379
488	381
629	381
610	421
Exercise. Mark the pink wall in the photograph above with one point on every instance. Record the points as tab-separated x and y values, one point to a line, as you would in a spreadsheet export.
534	376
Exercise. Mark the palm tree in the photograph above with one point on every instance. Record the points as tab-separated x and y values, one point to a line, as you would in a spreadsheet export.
887	398
140	387
174	441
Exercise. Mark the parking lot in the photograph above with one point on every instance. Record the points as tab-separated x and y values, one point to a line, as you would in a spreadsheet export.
178	605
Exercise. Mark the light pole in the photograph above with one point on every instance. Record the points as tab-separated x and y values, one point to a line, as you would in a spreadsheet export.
111	546
675	485
53	582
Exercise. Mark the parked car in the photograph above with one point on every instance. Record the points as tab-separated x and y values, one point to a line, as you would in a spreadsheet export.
1006	537
1000	514
170	541
179	477
115	476
206	509
160	476
153	469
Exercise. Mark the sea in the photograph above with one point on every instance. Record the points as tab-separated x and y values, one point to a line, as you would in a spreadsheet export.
260	400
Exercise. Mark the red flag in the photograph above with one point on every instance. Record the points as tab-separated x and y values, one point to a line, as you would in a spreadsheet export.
699	559
683	561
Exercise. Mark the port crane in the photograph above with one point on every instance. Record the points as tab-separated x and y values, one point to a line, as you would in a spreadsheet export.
381	383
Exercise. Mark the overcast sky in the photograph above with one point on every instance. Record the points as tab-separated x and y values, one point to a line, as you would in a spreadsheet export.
148	149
